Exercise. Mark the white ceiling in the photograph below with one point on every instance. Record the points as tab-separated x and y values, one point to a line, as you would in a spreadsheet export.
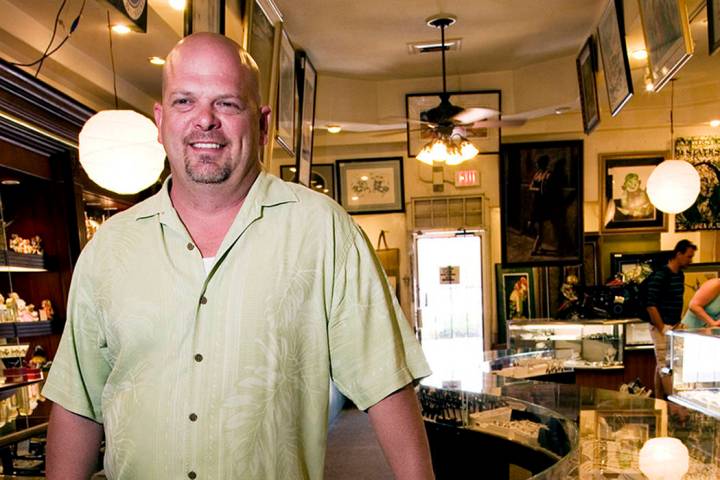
345	38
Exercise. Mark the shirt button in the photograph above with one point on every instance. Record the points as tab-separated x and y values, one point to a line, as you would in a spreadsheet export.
190	246
193	417
192	475
203	300
198	357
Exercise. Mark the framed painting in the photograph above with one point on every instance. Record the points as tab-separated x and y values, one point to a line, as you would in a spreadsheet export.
260	43
625	206
586	66
704	154
371	185
667	38
695	275
515	296
487	140
541	203
635	264
713	15
306	84
287	96
322	177
616	68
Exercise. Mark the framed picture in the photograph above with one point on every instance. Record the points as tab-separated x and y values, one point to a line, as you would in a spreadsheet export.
591	259
306	83
635	425
667	38
611	37
695	275
287	96
628	262
515	296
371	185
586	66
713	15
261	37
704	154
487	140
625	206
322	177
541	203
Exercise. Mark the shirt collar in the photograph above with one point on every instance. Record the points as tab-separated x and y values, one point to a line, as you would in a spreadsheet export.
267	191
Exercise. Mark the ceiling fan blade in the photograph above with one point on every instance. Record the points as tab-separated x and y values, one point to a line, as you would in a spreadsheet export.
474	114
499	123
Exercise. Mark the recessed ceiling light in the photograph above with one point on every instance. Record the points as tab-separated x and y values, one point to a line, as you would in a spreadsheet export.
640	54
561	110
715	123
121	29
177	4
293	169
10	181
649	87
156	60
332	128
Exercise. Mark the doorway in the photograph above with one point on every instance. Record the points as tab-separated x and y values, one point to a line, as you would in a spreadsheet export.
450	296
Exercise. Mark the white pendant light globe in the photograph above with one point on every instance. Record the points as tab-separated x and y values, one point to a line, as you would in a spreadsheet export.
664	458
120	152
673	186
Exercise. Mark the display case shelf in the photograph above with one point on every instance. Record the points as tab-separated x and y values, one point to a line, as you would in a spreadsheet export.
18	262
25	329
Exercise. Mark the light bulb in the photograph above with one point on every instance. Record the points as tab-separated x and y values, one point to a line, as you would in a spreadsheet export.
664	458
120	28
673	186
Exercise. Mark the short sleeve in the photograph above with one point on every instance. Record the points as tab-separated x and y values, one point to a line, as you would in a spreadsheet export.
80	368
373	350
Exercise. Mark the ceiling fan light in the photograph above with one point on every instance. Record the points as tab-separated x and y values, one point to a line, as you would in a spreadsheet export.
468	150
425	155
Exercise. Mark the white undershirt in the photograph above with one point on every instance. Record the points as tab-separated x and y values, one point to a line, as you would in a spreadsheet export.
208	262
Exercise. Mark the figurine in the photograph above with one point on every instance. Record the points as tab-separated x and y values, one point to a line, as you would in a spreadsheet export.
46	310
25	246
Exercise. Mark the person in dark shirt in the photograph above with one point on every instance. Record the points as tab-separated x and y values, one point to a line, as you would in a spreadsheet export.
664	306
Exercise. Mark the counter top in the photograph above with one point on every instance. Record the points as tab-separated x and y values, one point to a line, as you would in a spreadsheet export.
582	321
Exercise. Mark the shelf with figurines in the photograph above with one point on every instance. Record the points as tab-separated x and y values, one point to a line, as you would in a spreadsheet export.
23	255
18	319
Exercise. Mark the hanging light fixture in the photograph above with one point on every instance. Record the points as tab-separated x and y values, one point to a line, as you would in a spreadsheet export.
449	144
119	149
673	186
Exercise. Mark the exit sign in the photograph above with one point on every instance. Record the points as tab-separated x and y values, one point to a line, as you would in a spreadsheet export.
467	178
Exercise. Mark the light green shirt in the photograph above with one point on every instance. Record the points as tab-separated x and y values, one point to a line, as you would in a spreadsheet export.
225	375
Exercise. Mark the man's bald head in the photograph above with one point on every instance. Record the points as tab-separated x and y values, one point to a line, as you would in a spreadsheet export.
199	49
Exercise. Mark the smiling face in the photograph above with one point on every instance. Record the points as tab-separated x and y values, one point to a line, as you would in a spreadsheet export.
210	121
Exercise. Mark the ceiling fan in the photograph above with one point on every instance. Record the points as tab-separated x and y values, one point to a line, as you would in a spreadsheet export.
449	122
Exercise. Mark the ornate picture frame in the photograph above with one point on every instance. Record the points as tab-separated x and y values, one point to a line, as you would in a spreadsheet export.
667	38
487	140
541	198
616	67
287	104
586	64
624	204
515	287
371	185
306	85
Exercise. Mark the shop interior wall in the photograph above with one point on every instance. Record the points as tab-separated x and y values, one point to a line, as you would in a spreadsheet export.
642	126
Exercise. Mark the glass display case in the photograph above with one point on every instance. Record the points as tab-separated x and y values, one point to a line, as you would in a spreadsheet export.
692	358
585	344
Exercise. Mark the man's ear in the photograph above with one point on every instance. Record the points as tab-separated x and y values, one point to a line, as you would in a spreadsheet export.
157	113
264	124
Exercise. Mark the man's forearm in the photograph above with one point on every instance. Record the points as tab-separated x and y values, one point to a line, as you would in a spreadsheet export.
400	429
73	445
655	318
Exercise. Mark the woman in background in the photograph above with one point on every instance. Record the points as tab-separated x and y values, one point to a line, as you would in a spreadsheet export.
704	308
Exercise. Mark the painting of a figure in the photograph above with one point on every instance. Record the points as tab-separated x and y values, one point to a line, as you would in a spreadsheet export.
540	203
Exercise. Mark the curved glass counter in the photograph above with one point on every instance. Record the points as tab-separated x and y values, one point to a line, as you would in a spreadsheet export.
512	428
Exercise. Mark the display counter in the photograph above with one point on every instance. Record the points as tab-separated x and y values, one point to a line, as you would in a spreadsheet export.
508	428
692	357
603	352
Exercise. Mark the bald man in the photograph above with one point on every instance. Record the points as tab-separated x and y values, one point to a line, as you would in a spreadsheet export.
204	325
